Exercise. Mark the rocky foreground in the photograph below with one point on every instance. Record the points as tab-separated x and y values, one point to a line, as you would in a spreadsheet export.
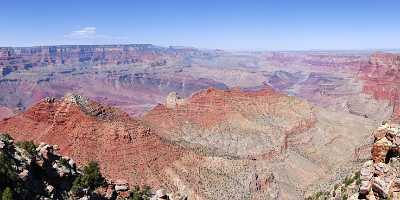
378	178
28	171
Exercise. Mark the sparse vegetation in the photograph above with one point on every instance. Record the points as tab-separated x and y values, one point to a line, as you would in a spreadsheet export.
357	177
28	146
90	179
6	137
8	175
9	182
64	162
138	193
348	181
7	194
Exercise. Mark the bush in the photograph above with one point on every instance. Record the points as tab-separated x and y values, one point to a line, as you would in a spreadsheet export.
64	162
357	177
90	179
138	193
7	194
28	146
348	180
6	137
8	175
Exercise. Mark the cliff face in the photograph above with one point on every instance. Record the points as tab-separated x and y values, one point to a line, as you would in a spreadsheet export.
256	133
377	178
226	117
382	79
216	144
132	77
12	59
84	130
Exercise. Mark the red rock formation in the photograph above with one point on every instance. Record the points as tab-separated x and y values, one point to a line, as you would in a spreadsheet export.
85	130
12	59
223	117
318	60
382	79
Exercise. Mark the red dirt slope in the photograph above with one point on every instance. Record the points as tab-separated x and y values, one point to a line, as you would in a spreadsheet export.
85	130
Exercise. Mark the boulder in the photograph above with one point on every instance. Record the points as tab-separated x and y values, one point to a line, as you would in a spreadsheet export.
121	185
161	194
366	173
381	187
380	150
365	187
381	169
395	187
2	144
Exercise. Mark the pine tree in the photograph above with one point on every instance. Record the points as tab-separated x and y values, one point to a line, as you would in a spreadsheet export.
7	194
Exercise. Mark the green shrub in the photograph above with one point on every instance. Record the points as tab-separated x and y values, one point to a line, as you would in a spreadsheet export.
8	175
6	137
357	177
348	180
7	194
28	146
90	179
138	193
64	162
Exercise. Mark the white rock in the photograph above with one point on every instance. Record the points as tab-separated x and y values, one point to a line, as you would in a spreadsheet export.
161	193
121	185
381	187
365	187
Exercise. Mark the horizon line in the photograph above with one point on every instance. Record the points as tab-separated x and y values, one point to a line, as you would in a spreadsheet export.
200	48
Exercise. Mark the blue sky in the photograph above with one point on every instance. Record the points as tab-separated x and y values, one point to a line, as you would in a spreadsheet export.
223	24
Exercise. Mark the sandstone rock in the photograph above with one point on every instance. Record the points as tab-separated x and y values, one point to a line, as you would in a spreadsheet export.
161	193
381	132
24	175
49	188
380	149
365	187
366	173
395	187
85	198
121	185
381	187
381	169
173	100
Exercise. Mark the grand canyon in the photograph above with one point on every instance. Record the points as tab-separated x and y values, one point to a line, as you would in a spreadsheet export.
209	124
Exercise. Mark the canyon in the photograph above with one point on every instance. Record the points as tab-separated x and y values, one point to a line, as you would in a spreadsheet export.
210	124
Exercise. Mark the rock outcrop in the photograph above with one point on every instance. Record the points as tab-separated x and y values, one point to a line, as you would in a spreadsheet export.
86	130
216	144
41	172
12	59
382	79
377	178
273	144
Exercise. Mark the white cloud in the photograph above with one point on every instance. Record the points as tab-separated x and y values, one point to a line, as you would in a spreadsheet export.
89	35
86	32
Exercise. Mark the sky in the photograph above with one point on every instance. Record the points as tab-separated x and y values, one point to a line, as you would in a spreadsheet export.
211	24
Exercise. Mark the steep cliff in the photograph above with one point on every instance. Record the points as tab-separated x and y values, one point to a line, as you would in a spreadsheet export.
382	79
85	130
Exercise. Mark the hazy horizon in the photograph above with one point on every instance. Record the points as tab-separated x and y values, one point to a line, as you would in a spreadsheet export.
239	25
